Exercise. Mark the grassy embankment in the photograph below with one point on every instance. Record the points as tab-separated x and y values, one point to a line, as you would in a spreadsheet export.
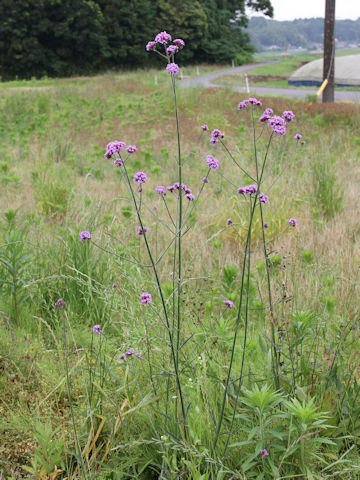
56	182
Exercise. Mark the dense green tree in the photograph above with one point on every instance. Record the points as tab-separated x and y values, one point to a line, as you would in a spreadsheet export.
64	37
129	24
225	39
54	37
187	20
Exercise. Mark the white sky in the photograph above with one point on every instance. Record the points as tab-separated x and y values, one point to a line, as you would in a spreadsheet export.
290	9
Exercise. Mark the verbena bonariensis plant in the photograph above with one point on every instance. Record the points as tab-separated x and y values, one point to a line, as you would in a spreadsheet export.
196	428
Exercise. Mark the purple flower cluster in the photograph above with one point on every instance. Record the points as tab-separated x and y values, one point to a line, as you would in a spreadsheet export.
140	177
215	135
176	186
229	303
142	231
277	125
114	148
164	38
179	42
298	136
84	235
293	222
60	303
266	115
212	162
229	221
172	68
205	127
145	298
160	190
205	180
264	453
129	353
97	329
288	116
248	190
263	198
118	162
172	49
252	100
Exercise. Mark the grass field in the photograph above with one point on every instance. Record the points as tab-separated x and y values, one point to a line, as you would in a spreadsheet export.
63	389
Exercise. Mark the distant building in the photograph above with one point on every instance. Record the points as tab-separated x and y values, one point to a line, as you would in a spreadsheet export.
347	72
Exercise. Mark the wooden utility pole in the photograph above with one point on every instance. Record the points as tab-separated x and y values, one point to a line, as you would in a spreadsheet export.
329	51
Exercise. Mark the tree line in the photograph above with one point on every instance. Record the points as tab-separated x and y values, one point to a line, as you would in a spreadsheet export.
303	32
66	37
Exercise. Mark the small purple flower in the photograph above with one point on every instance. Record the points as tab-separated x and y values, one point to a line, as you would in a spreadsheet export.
298	136
212	162
172	49
269	111
205	180
138	354
229	221
217	133
84	235
122	356
163	38
96	329
160	190
140	177
190	196
179	42
131	149
264	453
288	115
170	188
114	148
114	285
251	189
242	105
130	352
277	125
264	118
205	127
255	101
154	207
141	231
213	140
145	298
150	46
303	142
266	224
118	162
293	222
172	68
263	198
229	303
60	303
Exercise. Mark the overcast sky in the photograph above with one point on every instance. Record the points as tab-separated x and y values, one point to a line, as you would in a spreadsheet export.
290	9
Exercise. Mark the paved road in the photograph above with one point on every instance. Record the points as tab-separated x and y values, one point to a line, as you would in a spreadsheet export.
209	80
